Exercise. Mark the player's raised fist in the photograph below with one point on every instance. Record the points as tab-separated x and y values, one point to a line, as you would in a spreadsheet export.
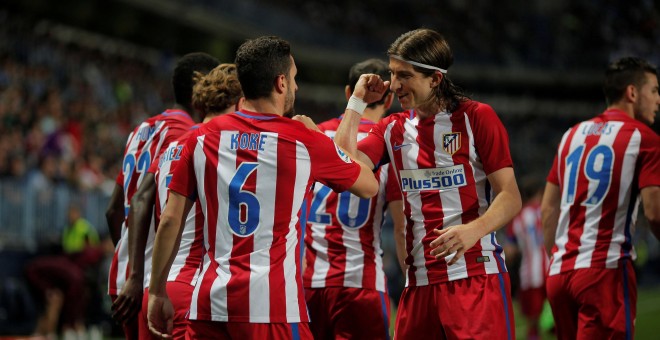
370	88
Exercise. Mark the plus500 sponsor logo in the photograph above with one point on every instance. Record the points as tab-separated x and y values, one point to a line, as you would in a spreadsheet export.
432	179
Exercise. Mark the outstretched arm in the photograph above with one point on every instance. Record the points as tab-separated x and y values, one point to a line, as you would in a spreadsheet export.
505	206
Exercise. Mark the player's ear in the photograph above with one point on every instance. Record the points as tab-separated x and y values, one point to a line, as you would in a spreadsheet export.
347	92
436	79
239	104
630	93
389	98
280	84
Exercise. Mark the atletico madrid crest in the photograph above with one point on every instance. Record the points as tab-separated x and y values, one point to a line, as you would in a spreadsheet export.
451	142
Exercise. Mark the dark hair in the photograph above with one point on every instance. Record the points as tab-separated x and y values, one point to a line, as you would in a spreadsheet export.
623	72
375	66
217	90
431	48
182	79
259	61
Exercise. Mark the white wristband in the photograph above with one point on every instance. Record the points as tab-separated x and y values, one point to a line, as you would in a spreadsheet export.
356	104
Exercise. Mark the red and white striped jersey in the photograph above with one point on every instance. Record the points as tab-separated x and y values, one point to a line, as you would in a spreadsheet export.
343	231
526	231
143	147
251	172
441	164
600	167
187	262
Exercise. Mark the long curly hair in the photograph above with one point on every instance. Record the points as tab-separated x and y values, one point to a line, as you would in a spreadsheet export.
217	90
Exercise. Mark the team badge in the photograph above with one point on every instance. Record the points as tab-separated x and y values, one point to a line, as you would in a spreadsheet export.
451	142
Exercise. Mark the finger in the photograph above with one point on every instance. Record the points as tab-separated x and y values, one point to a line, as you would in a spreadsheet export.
125	310
118	301
449	250
457	257
155	332
441	239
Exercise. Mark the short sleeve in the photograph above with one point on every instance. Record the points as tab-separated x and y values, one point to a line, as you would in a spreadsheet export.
331	166
491	139
649	160
184	180
553	176
373	145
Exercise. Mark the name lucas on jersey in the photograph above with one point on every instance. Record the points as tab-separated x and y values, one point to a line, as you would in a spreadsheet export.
597	129
248	141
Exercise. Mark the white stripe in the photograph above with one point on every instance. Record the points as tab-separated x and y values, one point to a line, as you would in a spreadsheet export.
625	193
561	237
224	242
194	302
452	209
409	156
291	270
260	267
593	213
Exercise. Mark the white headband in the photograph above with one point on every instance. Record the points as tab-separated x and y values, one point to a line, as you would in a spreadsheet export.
442	70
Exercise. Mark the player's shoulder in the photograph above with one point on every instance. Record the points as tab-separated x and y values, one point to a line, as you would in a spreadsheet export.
474	108
330	124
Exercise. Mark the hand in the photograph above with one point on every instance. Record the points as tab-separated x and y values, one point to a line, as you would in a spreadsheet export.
370	88
160	315
129	300
458	239
309	123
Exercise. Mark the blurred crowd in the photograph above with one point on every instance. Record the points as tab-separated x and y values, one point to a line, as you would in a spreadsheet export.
65	109
558	34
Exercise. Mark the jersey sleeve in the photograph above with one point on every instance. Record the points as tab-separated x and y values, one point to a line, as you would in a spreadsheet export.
153	168
183	180
373	145
553	176
649	160
331	166
392	187
491	139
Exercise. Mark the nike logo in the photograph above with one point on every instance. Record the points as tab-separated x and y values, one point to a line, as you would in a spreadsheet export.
398	147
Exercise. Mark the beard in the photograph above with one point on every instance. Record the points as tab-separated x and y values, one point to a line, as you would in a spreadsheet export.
289	110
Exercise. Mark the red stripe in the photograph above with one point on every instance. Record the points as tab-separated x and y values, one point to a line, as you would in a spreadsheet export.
285	180
196	253
396	138
577	210
469	196
431	202
210	150
238	288
112	280
336	250
611	202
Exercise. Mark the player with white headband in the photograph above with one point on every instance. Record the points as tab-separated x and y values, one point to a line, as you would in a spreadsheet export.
455	172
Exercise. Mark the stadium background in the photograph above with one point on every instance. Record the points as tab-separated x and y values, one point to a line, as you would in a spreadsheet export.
76	76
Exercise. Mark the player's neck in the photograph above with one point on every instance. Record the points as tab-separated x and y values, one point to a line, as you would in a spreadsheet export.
373	115
628	108
263	105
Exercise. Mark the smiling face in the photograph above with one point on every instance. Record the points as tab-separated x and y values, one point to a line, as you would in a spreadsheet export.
647	102
412	88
